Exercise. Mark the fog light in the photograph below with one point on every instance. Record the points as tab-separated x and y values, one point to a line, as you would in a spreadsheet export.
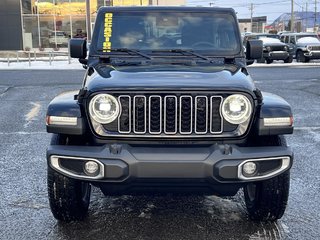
249	168
91	168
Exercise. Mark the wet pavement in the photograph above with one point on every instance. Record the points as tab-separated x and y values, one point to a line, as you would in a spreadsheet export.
24	210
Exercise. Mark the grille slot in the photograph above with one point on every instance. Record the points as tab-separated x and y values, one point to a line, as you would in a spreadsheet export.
216	123
185	115
139	114
155	114
124	121
201	115
170	114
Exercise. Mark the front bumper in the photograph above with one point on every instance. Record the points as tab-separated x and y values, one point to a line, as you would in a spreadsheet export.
312	54
125	164
276	55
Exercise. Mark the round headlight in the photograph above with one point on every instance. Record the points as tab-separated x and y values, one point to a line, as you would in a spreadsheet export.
236	109
268	49
286	48
104	108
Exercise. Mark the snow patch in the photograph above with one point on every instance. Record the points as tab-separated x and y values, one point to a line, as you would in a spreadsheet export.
308	40
61	64
226	209
269	40
146	212
28	204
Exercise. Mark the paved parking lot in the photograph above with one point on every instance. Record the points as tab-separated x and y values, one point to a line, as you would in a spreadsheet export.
24	210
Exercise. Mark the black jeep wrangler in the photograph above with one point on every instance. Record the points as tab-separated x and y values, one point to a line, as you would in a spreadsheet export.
273	48
167	105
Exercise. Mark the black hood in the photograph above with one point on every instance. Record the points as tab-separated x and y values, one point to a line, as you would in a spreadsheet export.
182	78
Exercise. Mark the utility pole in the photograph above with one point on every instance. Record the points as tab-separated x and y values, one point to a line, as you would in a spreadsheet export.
251	15
315	14
292	17
211	4
38	17
88	20
303	20
306	16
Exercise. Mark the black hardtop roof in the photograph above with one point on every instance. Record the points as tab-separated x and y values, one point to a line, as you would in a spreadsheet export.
166	8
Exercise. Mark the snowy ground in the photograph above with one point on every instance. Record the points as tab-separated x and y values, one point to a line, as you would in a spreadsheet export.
40	63
24	207
62	62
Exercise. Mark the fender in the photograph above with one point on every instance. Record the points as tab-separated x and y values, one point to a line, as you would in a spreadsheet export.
277	112
64	115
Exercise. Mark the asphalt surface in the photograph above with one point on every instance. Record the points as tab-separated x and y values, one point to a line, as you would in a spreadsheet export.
24	210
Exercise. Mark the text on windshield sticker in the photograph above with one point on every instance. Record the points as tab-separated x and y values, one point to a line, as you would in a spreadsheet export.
107	32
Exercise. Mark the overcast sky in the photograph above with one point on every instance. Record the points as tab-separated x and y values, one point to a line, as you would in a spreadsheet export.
270	8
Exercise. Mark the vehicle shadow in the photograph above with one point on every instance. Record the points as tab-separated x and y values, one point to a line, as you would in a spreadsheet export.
167	217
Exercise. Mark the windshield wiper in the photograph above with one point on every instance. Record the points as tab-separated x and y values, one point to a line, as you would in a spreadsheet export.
119	62
127	50
189	51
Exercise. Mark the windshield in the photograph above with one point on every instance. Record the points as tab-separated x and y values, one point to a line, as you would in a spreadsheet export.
215	33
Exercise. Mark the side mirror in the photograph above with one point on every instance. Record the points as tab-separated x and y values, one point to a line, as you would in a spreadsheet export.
254	49
78	48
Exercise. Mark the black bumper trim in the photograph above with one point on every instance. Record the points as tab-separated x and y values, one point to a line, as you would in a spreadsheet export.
154	162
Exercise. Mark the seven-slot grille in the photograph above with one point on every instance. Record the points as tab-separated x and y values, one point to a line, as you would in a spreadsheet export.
170	114
277	48
315	48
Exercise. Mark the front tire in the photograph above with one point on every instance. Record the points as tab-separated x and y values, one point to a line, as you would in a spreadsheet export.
267	200
288	59
261	60
269	61
69	198
301	57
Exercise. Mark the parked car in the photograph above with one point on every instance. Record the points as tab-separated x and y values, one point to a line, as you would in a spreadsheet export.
153	117
59	39
273	48
80	34
303	46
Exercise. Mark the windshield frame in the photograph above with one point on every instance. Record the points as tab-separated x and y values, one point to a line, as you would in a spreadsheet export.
95	51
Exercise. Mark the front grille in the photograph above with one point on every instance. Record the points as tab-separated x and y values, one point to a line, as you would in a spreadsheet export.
278	48
170	115
314	48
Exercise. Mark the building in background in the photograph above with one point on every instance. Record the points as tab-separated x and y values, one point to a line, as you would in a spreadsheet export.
258	24
168	2
10	25
303	22
39	24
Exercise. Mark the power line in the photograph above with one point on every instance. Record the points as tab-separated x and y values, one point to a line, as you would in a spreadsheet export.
243	4
315	14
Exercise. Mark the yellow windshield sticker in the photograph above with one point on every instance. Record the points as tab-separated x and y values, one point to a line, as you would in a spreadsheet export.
107	32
